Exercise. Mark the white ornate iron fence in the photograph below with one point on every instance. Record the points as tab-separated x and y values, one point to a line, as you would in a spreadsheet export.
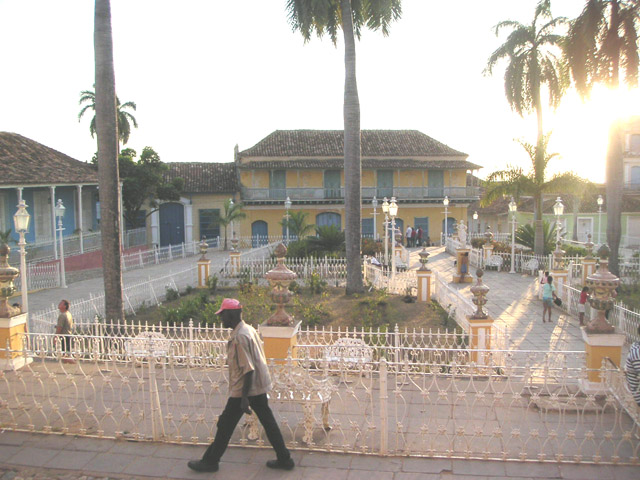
40	276
432	402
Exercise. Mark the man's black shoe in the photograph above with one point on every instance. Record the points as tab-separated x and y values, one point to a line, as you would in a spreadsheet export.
281	464
202	466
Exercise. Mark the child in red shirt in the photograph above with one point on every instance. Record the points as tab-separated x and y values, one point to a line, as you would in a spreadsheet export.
584	295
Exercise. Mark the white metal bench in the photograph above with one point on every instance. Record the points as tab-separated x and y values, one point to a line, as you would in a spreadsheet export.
494	261
294	383
351	351
531	266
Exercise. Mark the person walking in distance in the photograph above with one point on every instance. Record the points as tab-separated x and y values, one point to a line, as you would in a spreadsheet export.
548	294
64	327
582	302
249	382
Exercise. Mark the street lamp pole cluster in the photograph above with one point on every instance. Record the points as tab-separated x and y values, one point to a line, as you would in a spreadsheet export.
21	224
393	211
600	203
60	209
513	208
558	209
445	228
385	210
475	221
287	206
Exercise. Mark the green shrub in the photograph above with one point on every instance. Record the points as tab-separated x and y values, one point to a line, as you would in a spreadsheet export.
298	249
294	287
572	251
245	284
316	284
371	247
171	295
477	242
373	310
188	290
212	284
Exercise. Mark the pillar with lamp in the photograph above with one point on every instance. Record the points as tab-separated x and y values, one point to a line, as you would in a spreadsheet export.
385	210
445	225
60	209
13	321
558	210
513	208
462	256
559	273
600	203
374	204
393	211
21	224
287	206
474	227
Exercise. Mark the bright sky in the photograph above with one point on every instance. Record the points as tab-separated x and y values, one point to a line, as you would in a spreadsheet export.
206	75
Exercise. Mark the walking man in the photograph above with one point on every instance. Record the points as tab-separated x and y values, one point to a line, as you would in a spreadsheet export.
249	382
64	327
632	367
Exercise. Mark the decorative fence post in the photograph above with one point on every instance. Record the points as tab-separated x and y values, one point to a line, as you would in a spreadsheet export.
423	275
234	256
384	411
13	321
479	323
462	257
203	265
558	272
588	262
280	331
600	337
487	248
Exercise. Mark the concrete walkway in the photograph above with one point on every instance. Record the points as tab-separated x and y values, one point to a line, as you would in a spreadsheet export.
513	302
54	457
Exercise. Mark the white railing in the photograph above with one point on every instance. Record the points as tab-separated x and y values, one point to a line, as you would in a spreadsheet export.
433	402
259	253
156	256
327	268
40	276
149	292
456	304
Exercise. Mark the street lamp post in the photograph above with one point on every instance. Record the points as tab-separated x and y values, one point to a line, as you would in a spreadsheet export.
600	203
445	228
475	221
558	209
21	224
374	204
287	206
513	208
385	210
393	211
60	209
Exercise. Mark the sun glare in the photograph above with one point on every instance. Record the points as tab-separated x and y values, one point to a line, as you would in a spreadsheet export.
580	129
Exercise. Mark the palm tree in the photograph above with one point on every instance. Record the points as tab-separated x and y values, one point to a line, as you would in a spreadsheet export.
125	119
108	178
602	41
514	181
328	17
525	235
232	212
533	58
298	226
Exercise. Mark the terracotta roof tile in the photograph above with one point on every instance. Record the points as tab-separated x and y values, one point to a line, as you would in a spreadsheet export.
200	177
311	163
329	143
27	162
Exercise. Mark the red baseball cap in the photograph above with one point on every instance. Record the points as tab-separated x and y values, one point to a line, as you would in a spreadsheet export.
229	304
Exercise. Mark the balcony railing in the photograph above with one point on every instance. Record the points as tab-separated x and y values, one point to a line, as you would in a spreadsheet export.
321	193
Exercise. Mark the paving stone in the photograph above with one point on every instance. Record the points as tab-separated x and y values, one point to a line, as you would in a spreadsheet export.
32	456
90	444
414	476
134	448
14	438
109	462
371	475
326	460
587	472
183	452
317	473
427	465
8	452
538	470
375	463
70	460
479	467
150	467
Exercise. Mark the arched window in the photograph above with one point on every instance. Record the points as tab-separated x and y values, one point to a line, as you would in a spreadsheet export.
329	218
635	176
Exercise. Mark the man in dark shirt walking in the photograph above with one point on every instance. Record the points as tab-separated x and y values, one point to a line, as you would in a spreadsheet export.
249	382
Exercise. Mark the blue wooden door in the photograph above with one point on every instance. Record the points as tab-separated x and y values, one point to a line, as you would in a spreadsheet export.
171	224
385	183
259	233
435	183
450	226
329	218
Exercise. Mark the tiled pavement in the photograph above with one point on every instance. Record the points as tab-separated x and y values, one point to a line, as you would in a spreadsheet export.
24	455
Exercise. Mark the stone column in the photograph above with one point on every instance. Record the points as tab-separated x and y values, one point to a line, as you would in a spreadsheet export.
479	323
600	337
559	273
13	322
280	331
203	265
487	248
423	275
462	266
234	256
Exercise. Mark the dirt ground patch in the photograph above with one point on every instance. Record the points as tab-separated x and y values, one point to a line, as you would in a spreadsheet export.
329	308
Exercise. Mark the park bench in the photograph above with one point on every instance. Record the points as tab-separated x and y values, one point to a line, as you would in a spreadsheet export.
531	266
494	261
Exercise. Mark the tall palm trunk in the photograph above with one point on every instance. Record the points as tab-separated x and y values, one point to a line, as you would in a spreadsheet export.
538	238
108	179
614	180
352	165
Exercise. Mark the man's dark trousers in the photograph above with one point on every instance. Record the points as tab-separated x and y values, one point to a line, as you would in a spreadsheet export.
230	417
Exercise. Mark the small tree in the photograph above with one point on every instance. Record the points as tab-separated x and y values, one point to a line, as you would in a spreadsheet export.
525	235
298	226
329	241
232	212
125	119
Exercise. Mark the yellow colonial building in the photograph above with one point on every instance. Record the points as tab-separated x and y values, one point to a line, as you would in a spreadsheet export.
306	166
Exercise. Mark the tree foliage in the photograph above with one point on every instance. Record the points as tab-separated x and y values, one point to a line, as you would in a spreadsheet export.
143	183
525	235
125	119
298	226
231	213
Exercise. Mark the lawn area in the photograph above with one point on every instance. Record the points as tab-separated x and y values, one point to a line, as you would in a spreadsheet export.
328	307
